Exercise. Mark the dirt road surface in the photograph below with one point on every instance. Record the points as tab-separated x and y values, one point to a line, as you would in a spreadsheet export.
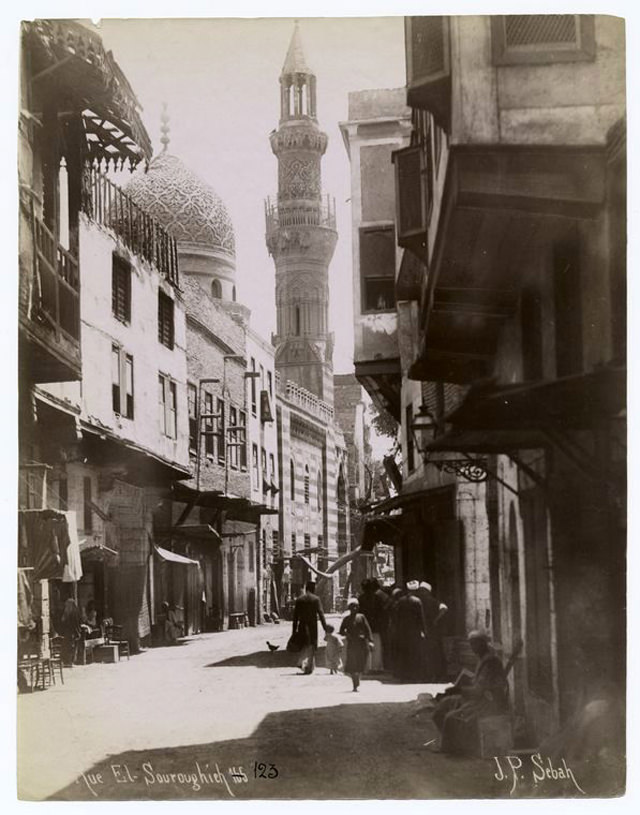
221	717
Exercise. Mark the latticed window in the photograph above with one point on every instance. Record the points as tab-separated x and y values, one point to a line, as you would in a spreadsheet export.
306	484
165	320
192	395
220	448
121	289
378	268
209	439
242	439
542	38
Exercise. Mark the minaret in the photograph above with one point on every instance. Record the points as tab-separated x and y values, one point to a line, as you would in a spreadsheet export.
301	234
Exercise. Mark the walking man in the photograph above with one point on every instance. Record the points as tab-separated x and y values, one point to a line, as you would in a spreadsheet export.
306	613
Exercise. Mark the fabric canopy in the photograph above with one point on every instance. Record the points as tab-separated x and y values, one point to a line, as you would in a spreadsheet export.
172	557
333	567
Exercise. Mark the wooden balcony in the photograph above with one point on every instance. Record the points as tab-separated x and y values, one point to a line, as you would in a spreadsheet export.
110	206
49	306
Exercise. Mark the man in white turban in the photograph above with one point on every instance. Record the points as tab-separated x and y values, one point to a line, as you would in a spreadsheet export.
410	634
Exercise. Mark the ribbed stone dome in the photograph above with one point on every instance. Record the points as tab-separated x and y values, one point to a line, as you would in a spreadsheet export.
188	208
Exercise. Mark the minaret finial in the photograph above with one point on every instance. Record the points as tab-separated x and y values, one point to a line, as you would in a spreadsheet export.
164	118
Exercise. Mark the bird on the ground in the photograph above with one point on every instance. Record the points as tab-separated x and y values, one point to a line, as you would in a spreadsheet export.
272	647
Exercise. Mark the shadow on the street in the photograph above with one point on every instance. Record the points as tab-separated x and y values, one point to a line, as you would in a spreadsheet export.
266	659
362	751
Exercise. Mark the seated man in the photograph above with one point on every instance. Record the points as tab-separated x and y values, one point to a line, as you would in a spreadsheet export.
171	627
459	708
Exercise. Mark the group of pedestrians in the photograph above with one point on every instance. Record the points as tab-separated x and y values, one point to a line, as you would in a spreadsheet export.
392	630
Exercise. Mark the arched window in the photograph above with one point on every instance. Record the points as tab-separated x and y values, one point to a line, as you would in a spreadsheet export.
319	497
306	483
216	289
292	474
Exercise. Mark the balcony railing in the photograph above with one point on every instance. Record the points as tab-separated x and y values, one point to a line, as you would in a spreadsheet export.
305	399
300	214
143	234
56	290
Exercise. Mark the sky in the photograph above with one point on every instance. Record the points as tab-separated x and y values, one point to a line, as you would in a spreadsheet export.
219	78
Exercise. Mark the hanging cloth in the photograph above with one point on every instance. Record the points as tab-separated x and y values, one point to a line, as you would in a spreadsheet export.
73	568
25	599
47	538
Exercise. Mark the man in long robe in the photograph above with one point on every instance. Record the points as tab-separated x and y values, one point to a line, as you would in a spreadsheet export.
457	713
306	613
410	631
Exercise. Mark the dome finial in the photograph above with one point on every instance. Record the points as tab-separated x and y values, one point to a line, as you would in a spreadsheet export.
164	128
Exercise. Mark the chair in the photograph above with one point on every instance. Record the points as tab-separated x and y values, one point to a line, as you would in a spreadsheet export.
29	666
113	636
55	659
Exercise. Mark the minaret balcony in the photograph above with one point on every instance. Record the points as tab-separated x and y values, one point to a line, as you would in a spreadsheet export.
299	213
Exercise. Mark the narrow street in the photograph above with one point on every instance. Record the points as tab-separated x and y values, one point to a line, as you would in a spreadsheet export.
219	704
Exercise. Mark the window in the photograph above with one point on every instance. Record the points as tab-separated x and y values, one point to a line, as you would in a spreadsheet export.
272	468
294	548
265	558
216	289
378	268
254	403
297	321
234	455
275	546
121	289
192	396
270	384
255	466
121	372
320	544
518	39
87	508
220	447
243	440
410	449
165	320
252	555
262	377
265	474
208	425
115	378
168	406
292	479
307	541
306	483
319	494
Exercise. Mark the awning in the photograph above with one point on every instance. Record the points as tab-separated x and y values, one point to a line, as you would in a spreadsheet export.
93	550
192	531
569	403
172	557
336	565
381	530
144	467
404	499
237	508
484	441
